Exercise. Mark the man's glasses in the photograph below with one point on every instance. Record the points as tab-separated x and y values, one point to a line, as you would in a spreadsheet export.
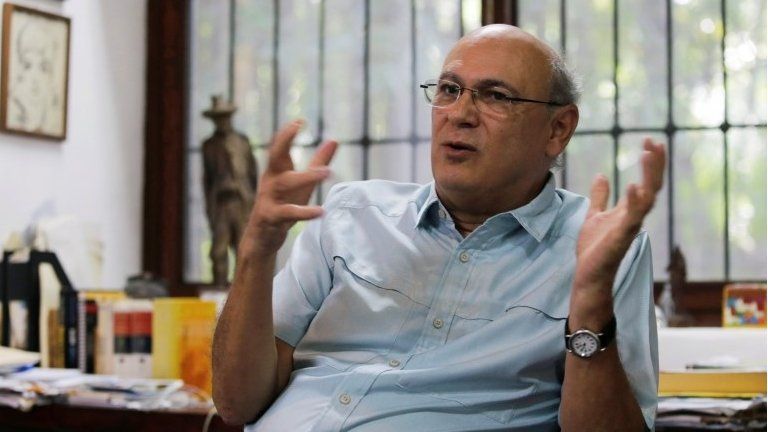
490	99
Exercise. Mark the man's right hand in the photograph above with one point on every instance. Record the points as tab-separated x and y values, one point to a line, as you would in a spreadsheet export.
250	365
283	195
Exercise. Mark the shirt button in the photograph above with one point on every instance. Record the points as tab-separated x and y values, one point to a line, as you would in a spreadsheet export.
464	257
441	213
394	363
345	399
437	323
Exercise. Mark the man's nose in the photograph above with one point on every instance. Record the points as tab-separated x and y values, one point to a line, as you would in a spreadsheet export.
464	110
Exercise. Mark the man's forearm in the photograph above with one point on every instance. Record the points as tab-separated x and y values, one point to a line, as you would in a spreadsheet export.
596	393
244	353
597	396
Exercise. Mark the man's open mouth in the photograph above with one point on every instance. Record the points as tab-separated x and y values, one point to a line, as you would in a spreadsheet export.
460	146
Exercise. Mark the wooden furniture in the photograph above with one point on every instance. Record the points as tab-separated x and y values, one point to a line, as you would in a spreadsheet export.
66	418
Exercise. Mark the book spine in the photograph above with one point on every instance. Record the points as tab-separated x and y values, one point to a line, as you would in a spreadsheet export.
81	333
69	307
55	339
105	339
122	329
141	340
91	321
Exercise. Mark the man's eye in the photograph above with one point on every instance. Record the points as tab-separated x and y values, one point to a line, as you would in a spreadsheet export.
495	96
449	89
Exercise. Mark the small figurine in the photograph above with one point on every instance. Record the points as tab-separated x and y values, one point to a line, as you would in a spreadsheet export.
230	174
678	273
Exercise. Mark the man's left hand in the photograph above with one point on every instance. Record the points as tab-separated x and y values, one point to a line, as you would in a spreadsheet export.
607	234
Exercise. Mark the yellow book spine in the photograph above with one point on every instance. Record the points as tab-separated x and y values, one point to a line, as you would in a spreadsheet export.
182	331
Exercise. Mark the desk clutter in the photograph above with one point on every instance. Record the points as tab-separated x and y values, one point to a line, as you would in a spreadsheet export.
134	347
711	414
42	386
712	378
712	362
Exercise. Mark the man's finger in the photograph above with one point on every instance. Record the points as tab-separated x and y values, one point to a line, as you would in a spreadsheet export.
598	195
294	212
653	163
323	154
291	181
280	149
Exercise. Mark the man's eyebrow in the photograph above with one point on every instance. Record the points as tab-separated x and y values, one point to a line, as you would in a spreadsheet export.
451	76
487	82
490	82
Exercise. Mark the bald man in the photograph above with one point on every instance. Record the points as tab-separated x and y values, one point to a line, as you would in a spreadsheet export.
485	300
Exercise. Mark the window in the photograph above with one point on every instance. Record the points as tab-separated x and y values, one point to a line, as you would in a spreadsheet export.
691	73
350	68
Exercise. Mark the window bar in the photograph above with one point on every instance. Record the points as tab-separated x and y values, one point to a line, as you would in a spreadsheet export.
563	27
414	92
365	141
724	127
321	95
616	130
670	132
461	19
231	54
188	145
275	65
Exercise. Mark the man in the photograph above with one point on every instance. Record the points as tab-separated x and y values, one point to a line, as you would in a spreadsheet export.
445	307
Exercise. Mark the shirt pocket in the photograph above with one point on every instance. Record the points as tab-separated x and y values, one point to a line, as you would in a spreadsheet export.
362	316
494	297
510	368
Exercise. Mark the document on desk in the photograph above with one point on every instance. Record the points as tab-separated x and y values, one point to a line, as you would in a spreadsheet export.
704	405
711	413
13	360
45	375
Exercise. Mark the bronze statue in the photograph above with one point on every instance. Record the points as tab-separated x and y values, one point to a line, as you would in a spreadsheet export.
229	181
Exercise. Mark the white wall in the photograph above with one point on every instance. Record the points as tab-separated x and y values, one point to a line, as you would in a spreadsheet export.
96	174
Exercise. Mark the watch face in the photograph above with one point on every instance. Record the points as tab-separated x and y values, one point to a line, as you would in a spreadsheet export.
584	343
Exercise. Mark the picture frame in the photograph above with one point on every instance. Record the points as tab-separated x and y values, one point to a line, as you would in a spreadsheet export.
744	305
35	73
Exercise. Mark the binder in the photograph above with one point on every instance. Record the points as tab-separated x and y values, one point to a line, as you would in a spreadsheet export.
20	281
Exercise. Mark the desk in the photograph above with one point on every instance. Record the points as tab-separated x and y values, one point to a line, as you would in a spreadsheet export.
66	418
75	419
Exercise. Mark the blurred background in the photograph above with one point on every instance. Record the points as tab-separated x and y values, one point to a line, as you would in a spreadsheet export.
691	73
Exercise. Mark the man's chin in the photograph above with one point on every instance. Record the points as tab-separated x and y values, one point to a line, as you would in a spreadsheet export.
455	184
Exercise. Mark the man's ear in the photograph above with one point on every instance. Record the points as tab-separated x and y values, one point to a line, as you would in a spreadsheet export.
562	126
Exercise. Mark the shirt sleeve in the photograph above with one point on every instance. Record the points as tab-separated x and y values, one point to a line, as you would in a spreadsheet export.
636	326
300	288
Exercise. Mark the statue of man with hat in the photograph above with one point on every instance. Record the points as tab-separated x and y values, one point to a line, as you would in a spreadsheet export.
229	181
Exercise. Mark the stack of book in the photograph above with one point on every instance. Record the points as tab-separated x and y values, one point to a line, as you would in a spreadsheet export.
167	338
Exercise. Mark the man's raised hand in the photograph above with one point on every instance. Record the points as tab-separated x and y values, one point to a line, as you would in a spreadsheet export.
283	195
607	233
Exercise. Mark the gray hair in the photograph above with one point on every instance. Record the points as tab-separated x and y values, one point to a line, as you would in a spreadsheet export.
564	86
564	89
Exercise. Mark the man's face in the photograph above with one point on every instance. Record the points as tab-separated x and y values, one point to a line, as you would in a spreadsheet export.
484	153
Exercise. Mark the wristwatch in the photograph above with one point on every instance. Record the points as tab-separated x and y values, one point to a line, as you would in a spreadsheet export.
586	343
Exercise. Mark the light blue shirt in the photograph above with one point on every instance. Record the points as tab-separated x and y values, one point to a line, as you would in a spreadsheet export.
400	324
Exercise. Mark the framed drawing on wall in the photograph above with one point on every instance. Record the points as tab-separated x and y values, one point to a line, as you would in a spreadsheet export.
33	79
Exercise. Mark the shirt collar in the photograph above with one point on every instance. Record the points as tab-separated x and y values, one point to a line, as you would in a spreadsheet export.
536	217
428	202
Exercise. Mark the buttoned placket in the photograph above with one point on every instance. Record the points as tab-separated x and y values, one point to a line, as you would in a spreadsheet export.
353	389
455	278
